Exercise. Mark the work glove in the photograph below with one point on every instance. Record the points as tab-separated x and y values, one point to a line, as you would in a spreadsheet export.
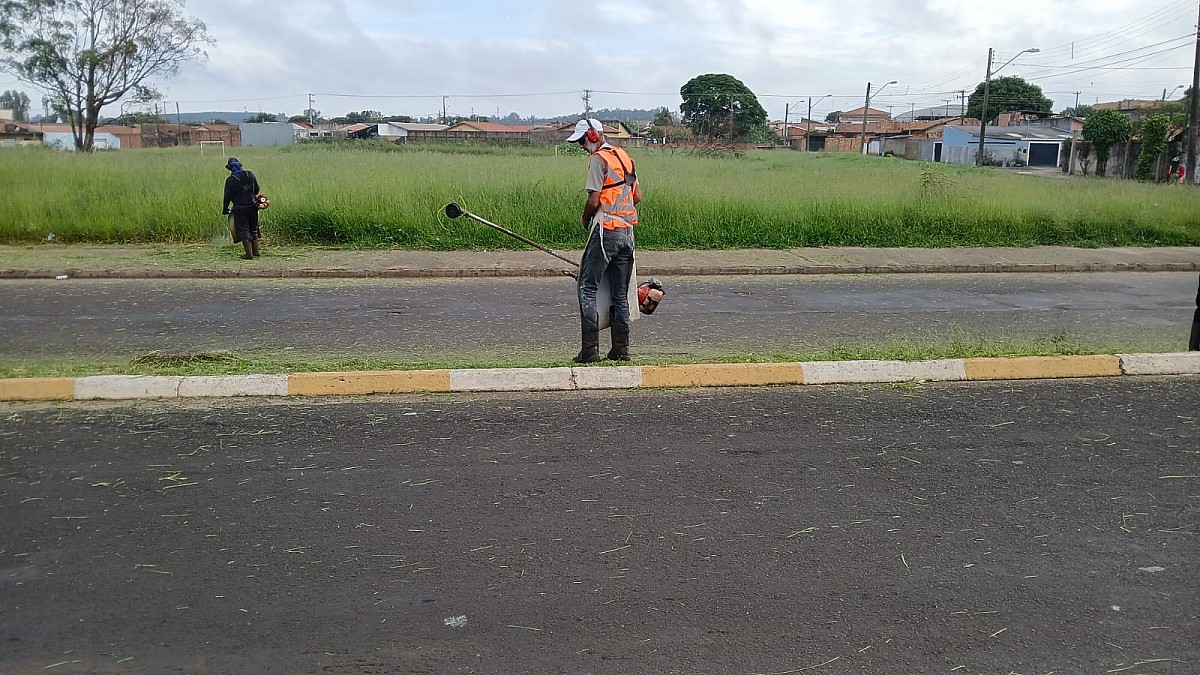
225	212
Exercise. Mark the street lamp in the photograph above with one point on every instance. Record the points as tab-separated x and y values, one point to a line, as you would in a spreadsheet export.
808	119
987	85
808	129
867	106
1165	94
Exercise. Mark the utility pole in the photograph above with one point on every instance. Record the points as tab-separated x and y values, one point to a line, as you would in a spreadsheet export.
1194	115
312	114
443	110
987	84
1077	100
787	141
587	102
862	140
962	103
808	124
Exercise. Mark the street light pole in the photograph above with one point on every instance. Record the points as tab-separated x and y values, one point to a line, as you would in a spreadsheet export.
808	120
866	107
862	139
786	139
987	85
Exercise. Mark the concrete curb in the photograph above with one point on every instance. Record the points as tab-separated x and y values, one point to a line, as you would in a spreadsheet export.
123	387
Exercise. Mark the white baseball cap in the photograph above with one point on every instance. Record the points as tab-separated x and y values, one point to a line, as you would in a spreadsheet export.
582	126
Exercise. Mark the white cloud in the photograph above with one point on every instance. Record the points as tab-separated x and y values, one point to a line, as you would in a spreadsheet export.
402	56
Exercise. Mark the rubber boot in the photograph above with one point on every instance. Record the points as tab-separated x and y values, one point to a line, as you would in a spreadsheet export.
620	346
254	247
1194	341
590	352
249	246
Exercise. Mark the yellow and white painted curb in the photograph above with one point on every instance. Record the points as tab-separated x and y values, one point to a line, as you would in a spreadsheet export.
120	387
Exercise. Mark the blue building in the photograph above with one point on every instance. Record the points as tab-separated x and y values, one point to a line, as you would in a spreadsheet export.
1023	145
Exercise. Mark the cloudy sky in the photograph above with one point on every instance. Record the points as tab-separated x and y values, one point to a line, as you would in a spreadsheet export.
537	57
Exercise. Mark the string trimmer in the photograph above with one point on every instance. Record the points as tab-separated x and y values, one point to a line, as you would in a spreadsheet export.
649	292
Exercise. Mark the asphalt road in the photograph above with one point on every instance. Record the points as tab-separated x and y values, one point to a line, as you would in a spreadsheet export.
961	527
471	320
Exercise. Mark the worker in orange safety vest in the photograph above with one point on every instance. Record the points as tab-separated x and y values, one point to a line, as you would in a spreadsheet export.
609	216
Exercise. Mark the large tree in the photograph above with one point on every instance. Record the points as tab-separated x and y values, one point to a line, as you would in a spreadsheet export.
719	106
1103	129
1005	94
16	101
87	54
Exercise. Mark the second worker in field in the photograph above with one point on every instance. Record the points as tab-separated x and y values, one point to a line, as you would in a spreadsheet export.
242	193
609	216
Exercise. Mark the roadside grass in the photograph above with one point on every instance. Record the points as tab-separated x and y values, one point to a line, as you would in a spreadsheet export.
229	363
378	195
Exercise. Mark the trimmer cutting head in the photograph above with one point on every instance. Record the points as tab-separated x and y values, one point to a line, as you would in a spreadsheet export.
453	210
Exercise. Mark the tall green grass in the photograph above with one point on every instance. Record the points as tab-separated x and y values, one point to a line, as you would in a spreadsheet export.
380	195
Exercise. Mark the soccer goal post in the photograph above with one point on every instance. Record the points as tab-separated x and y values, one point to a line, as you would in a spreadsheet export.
204	143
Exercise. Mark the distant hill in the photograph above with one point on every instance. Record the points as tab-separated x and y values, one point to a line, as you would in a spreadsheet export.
232	117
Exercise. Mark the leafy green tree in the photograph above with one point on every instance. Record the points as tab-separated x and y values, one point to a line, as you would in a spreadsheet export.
263	117
720	106
131	118
663	118
90	53
1103	129
403	119
835	116
1005	94
1154	142
18	102
364	116
1076	111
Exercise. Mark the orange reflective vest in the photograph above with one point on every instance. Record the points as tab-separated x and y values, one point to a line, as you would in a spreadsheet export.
616	196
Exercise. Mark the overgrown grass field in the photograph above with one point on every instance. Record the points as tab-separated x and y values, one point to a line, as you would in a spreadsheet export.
379	195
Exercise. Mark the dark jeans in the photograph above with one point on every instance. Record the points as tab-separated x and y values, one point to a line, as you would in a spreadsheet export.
245	221
1194	338
611	251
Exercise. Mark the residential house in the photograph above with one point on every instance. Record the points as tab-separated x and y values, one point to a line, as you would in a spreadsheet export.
490	128
1022	145
920	140
108	137
401	130
856	116
792	132
1129	107
940	112
14	133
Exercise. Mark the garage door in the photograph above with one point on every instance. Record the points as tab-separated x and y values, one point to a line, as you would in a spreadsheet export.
1043	154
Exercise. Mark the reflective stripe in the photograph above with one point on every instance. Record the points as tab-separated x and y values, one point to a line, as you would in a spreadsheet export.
616	197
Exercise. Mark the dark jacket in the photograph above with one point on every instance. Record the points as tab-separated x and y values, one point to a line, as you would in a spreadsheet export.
240	189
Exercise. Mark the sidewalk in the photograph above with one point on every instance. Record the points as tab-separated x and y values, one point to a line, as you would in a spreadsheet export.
150	262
